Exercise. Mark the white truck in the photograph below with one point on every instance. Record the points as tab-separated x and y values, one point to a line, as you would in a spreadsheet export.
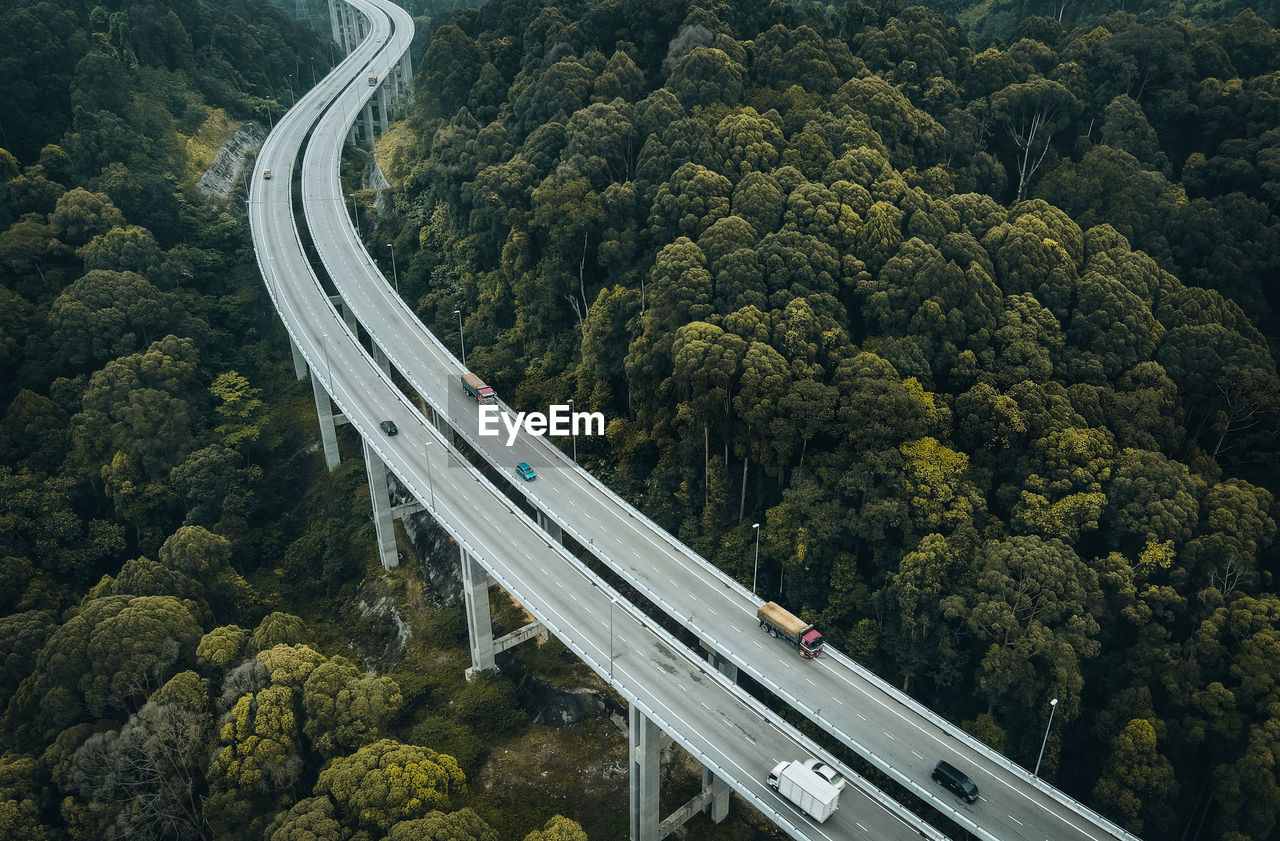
809	784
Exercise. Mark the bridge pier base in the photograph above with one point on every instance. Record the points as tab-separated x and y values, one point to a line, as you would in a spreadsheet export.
383	524
475	595
328	431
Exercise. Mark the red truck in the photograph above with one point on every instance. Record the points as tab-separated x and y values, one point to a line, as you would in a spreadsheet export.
780	622
475	386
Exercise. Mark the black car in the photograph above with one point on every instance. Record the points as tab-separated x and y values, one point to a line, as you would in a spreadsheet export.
953	778
389	427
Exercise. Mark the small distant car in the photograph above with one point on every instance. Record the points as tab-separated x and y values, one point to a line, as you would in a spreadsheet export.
827	773
956	780
526	472
266	175
373	80
389	427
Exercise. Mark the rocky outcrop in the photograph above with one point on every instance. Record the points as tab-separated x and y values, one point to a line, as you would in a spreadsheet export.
220	179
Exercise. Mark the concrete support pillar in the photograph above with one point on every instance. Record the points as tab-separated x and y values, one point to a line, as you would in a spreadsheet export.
721	664
406	72
384	119
328	433
475	594
368	123
380	359
717	791
333	22
299	362
646	755
550	527
383	525
344	26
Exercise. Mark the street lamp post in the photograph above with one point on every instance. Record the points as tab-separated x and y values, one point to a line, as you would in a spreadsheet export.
312	61
573	430
461	339
1053	706
355	211
394	273
756	571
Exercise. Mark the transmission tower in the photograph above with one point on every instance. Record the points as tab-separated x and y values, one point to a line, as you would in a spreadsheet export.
300	11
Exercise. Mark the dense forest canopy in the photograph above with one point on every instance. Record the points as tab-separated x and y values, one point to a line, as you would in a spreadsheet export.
977	323
974	314
165	522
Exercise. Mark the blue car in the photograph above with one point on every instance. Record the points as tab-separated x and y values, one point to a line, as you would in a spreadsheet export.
526	471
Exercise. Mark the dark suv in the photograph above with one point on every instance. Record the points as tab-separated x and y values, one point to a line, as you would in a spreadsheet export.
956	780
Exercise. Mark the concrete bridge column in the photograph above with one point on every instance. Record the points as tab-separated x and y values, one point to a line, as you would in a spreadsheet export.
380	359
299	363
475	594
383	524
384	118
646	755
714	789
348	314
406	72
333	22
550	527
328	431
344	26
368	123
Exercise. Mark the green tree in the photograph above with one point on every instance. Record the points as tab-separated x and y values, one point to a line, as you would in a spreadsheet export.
386	782
1032	112
81	215
258	746
1032	603
1138	783
707	75
558	828
346	709
121	249
462	825
310	819
278	628
106	314
222	646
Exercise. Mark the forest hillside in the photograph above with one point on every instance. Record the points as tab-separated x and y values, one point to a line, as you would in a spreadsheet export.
979	328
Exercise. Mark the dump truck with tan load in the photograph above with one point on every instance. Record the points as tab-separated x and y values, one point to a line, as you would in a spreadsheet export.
475	386
780	622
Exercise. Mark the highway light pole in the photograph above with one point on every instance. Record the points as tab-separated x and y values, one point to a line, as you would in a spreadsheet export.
312	61
573	430
394	273
461	339
1053	706
756	571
